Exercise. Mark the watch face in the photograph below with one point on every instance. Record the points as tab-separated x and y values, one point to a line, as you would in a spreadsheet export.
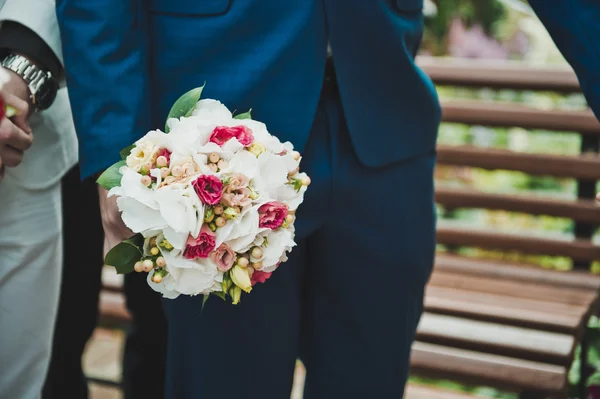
46	94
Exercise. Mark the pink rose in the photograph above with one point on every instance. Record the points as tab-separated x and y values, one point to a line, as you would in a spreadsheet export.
259	277
236	192
240	198
209	188
224	257
202	246
222	134
244	135
237	181
271	215
163	152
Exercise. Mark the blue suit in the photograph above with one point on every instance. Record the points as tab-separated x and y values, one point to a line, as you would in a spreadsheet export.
349	299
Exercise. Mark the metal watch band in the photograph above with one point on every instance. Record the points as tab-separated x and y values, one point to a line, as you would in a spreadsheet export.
33	76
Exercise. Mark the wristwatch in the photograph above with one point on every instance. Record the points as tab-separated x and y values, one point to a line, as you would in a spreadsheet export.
42	85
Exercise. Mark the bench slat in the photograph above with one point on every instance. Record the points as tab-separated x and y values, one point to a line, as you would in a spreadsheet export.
435	361
579	210
575	249
520	312
513	289
522	272
495	114
414	391
517	342
577	167
500	75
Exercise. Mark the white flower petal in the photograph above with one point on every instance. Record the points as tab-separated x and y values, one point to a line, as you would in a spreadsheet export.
138	217
279	241
212	110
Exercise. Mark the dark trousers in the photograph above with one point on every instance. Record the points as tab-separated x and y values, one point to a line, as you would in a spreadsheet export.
144	355
348	300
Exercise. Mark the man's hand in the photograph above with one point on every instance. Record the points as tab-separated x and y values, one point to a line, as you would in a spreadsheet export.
115	230
15	133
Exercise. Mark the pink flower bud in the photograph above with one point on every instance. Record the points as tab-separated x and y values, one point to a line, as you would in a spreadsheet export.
257	252
147	265
148	165
213	167
243	262
177	171
138	267
296	155
162	161
222	164
214	157
221	221
164	172
146	180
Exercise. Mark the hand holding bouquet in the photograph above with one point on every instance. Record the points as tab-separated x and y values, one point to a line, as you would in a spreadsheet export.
212	201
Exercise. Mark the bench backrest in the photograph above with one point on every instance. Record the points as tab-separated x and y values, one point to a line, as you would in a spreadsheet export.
584	168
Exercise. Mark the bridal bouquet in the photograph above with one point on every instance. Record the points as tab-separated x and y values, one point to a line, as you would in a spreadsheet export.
211	199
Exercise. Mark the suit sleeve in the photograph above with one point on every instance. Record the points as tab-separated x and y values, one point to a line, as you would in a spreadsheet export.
17	38
104	50
575	28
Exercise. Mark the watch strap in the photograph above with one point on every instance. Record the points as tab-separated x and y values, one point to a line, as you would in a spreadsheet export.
34	76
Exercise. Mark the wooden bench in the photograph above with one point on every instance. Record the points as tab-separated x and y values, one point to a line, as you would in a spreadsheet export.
488	322
497	323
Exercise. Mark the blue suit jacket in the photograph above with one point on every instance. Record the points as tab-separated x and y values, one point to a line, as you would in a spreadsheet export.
127	61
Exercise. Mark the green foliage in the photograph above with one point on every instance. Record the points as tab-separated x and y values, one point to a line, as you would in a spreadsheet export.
111	177
184	106
124	256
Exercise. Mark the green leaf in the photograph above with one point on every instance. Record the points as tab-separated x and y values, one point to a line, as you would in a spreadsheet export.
594	379
126	151
245	115
123	256
204	299
220	294
184	106
111	176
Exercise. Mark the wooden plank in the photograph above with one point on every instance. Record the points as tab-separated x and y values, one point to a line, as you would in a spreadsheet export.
515	342
515	289
497	269
514	75
414	391
113	312
471	367
580	210
520	312
576	249
496	114
578	167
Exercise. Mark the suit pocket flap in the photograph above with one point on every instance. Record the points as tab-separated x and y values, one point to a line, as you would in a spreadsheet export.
190	7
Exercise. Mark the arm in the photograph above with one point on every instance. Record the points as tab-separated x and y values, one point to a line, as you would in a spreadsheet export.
104	46
575	28
105	60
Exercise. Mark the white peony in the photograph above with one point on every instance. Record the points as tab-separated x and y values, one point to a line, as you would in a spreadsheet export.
279	242
181	208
